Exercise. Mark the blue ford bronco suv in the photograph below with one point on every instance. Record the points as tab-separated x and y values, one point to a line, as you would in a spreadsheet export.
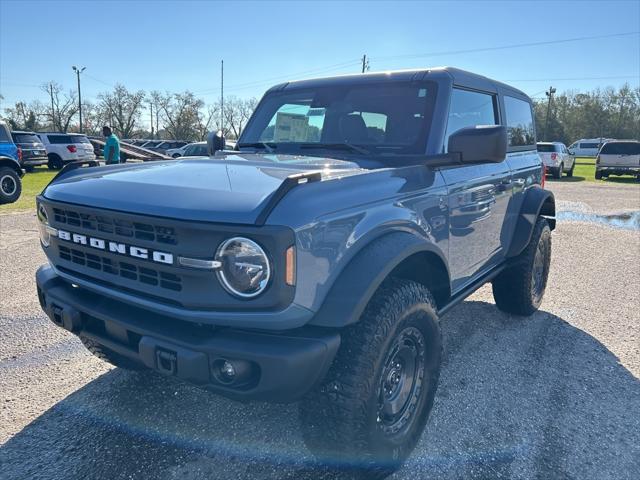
314	261
11	172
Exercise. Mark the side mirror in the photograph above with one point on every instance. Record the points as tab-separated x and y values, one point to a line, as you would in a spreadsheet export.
479	144
215	142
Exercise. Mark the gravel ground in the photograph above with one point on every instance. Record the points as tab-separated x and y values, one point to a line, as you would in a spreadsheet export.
556	395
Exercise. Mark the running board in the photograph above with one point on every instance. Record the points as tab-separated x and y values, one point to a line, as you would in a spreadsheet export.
469	289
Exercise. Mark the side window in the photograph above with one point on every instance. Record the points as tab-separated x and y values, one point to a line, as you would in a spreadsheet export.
468	109
520	129
4	135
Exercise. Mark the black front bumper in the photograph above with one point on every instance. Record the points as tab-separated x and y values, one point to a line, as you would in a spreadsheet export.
277	367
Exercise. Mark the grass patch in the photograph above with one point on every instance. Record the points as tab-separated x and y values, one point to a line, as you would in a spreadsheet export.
585	170
32	184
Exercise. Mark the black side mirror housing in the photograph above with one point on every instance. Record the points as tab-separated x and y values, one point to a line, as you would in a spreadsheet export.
479	144
215	142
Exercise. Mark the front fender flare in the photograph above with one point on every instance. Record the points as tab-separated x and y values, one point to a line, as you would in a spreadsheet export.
537	201
362	276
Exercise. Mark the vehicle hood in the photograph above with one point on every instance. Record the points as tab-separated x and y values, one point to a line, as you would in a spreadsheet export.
233	188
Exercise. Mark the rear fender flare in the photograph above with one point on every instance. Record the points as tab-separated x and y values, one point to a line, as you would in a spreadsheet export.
537	202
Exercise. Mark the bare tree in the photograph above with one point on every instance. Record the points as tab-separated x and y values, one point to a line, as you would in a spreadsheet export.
181	113
62	107
122	109
236	114
23	116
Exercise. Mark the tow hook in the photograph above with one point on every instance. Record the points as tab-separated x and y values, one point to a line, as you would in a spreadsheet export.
166	361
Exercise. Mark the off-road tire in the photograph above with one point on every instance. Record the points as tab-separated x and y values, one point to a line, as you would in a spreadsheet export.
110	356
10	185
515	290
341	418
557	173
55	162
598	175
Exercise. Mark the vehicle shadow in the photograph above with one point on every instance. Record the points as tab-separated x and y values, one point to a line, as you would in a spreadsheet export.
518	397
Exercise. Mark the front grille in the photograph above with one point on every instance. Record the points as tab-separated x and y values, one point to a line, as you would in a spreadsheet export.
116	226
126	270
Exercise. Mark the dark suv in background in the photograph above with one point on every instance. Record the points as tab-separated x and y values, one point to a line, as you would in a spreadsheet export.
34	153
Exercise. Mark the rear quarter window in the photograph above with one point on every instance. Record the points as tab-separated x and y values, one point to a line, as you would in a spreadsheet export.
626	148
58	139
519	119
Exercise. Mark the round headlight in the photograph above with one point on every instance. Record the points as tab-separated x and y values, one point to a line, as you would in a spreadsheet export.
245	269
43	223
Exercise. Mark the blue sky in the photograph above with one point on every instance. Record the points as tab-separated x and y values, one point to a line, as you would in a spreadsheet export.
176	46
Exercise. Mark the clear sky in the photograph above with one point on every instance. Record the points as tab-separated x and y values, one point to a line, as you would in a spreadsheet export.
177	45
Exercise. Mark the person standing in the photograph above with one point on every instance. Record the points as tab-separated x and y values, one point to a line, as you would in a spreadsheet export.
111	146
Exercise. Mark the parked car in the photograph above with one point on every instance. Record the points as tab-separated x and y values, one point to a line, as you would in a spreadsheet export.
587	147
10	171
618	157
556	158
312	263
177	152
63	148
162	147
197	149
33	152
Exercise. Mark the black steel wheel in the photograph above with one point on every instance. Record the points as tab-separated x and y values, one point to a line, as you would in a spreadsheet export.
368	414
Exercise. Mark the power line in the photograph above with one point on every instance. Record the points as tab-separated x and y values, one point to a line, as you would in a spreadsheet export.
505	47
570	79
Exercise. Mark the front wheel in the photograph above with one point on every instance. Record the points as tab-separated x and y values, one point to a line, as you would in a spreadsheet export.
570	172
10	185
519	289
371	409
598	175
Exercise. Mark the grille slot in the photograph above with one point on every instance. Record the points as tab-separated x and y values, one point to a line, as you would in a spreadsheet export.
116	226
126	270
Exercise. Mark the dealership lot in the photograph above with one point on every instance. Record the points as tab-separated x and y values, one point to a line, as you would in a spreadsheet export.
554	395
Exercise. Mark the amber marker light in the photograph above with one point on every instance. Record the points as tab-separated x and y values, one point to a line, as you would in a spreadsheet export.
290	266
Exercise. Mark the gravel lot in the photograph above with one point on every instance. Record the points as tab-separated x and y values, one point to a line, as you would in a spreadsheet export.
556	395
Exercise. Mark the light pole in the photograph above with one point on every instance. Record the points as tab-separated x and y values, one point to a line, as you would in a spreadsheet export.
78	72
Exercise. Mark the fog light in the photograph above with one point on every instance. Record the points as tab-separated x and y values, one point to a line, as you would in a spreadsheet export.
228	371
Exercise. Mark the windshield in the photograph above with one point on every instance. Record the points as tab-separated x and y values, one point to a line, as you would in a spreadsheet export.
621	148
26	138
380	119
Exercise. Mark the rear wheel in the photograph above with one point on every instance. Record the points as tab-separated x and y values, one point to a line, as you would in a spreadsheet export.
10	185
519	289
370	411
598	175
558	172
55	162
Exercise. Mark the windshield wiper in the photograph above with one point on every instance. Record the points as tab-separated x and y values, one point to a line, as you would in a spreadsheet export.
338	146
269	147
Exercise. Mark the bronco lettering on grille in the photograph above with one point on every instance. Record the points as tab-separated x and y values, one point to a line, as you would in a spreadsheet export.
116	247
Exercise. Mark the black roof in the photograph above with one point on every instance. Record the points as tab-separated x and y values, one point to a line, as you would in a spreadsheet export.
458	76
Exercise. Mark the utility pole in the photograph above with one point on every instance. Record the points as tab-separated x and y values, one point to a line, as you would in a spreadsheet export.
365	63
53	114
151	107
222	96
78	72
549	94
